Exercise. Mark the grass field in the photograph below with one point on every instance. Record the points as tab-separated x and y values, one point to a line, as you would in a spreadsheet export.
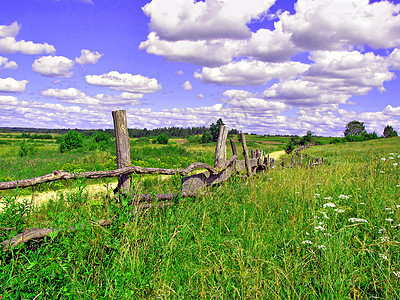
326	233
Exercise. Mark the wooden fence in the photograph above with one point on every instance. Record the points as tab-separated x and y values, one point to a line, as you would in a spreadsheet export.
222	170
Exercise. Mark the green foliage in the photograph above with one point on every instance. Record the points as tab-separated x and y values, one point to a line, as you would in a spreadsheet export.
143	140
162	139
206	137
355	128
101	136
290	147
214	129
70	141
389	132
26	149
195	139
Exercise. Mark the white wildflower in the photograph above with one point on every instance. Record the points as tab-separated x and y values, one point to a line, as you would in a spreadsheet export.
306	242
322	247
328	198
339	211
383	256
329	204
357	220
389	220
381	230
319	228
327	234
398	185
391	157
384	159
397	206
385	238
307	233
362	203
344	197
359	189
324	215
396	273
382	172
395	164
317	195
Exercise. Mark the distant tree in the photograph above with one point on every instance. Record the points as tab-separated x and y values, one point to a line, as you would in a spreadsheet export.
101	136
162	139
389	132
206	137
71	140
214	129
355	128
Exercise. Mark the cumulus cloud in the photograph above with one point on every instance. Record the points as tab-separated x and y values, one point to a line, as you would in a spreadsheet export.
8	43
198	20
60	66
200	96
340	24
9	31
88	57
187	85
7	64
251	72
75	96
53	66
11	85
206	53
125	82
392	111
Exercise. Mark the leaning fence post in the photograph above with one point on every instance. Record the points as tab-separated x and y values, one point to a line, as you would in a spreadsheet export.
220	150
246	155
233	146
123	147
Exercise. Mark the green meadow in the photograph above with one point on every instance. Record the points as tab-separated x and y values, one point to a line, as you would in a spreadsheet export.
330	232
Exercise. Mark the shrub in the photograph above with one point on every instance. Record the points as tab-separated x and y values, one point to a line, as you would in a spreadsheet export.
389	132
101	136
26	149
162	139
206	137
70	141
195	139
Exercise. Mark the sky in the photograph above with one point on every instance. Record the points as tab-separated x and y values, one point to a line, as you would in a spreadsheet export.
263	66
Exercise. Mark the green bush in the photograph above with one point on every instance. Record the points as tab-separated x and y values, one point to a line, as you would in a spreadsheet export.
26	149
101	136
70	141
206	137
195	139
162	139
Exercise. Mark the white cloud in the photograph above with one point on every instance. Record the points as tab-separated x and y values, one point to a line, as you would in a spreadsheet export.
53	66
74	96
187	85
11	85
394	59
125	82
341	24
207	53
392	111
180	72
200	96
253	72
7	64
175	20
88	57
9	31
267	45
9	45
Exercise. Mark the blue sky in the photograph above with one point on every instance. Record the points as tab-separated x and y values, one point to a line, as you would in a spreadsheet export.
263	66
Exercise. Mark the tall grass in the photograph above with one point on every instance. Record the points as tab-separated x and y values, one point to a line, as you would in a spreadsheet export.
329	232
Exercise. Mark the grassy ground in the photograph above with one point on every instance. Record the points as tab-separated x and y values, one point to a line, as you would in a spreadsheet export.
326	233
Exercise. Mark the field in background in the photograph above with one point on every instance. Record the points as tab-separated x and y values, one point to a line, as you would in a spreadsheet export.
331	232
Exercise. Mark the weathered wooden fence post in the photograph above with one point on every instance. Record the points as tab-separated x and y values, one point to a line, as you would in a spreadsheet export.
123	147
233	146
246	155
220	150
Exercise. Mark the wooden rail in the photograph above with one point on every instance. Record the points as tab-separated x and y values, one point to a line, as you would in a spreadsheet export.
223	169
